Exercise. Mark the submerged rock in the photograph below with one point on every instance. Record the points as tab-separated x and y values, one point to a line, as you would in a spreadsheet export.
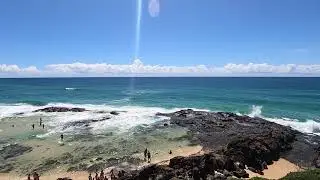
114	113
60	109
13	150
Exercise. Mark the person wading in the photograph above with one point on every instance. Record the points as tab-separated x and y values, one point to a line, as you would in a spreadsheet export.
149	157
145	154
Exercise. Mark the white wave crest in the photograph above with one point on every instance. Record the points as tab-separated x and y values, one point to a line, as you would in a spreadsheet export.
70	89
255	111
309	126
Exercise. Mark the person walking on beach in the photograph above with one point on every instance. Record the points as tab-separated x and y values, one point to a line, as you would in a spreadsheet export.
113	177
90	177
32	126
101	175
145	154
149	157
97	176
29	178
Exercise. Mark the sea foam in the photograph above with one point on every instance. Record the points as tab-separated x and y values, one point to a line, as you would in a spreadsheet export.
308	126
129	117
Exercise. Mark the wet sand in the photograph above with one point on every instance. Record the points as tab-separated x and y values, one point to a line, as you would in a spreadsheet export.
277	170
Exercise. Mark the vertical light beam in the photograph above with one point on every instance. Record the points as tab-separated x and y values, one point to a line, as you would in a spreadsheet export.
138	27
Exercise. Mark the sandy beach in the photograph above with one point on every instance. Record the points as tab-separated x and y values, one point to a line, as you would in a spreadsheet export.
159	158
277	170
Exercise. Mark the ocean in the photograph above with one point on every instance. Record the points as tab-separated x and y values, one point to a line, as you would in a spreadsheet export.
289	101
98	136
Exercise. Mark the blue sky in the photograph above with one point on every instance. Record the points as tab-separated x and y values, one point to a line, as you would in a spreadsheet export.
186	32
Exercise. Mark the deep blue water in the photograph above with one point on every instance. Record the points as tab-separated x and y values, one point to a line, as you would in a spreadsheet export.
296	98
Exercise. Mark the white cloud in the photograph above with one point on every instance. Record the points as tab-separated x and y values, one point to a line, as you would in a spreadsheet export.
138	68
4	68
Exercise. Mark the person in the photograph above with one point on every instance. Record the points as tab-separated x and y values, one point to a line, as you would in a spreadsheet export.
149	157
61	137
101	175
35	176
170	152
113	177
145	154
12	125
105	178
32	126
42	126
29	178
40	121
97	176
90	177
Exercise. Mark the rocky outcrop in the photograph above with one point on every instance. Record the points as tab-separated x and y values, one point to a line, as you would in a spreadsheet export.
252	141
206	166
236	142
60	109
84	123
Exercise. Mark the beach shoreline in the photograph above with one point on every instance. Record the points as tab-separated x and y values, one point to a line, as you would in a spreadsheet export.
159	159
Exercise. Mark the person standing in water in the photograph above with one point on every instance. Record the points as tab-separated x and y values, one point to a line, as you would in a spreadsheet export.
42	126
149	157
145	154
61	137
40	121
32	126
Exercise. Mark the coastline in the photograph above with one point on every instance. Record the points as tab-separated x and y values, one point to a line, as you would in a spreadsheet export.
226	145
163	158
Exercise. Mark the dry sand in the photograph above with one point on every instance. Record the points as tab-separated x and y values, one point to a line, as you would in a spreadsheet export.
277	170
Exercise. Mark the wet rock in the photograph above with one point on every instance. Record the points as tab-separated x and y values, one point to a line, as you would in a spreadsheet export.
83	123
114	113
65	178
6	168
60	109
13	150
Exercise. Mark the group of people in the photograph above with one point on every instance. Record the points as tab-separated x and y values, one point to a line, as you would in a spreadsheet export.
35	176
147	155
40	124
102	176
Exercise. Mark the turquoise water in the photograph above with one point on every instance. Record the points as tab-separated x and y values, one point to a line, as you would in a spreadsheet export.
279	99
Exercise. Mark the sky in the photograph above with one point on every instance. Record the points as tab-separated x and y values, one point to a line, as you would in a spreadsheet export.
190	37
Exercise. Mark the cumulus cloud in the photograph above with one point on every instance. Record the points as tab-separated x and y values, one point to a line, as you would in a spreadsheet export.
4	68
139	68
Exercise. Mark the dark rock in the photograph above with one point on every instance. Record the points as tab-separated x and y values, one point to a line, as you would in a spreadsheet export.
241	174
65	178
60	109
227	173
83	123
13	150
6	168
114	113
